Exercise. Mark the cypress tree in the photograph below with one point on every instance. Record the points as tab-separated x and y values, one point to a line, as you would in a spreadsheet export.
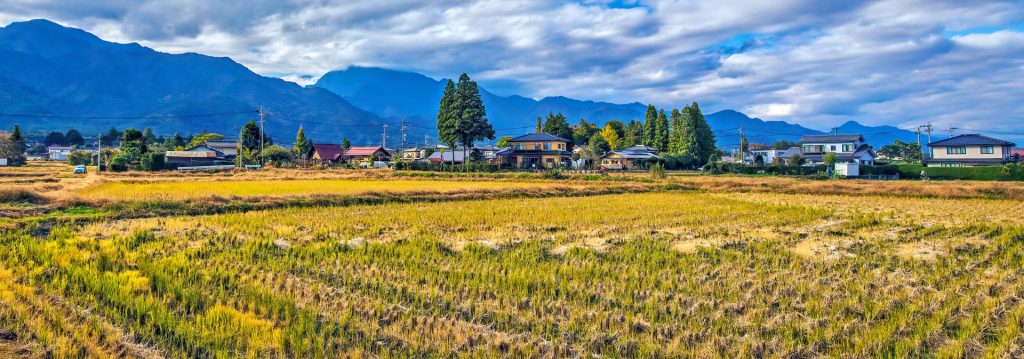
678	136
472	125
447	120
302	144
661	131
704	137
650	126
540	126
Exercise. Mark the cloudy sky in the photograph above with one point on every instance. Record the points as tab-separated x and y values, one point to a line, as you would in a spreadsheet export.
817	63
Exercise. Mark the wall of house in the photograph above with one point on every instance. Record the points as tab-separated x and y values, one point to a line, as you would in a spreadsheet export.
539	146
973	152
852	146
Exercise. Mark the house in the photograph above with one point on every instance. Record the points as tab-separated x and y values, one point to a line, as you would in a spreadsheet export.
325	153
228	147
768	155
969	150
630	158
419	153
1017	154
359	154
539	150
849	148
201	155
58	153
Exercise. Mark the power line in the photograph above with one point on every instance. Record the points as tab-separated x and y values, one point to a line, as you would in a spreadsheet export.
64	117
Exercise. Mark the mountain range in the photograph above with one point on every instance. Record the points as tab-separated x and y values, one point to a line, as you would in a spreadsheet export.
54	78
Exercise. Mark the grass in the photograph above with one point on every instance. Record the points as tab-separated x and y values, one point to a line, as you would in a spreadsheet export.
388	266
194	189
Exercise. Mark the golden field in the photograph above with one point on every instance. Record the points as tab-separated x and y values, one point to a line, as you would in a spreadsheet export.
684	267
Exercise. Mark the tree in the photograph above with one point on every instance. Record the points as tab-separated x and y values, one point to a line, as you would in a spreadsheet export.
650	127
277	155
74	138
202	138
661	130
472	125
447	118
55	139
598	144
681	134
346	144
558	126
503	142
784	145
302	145
611	136
152	161
11	149
581	134
148	137
634	134
176	142
540	126
902	151
795	160
249	144
80	158
704	138
16	148
112	135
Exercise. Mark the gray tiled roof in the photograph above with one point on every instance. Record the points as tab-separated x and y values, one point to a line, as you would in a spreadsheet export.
971	140
830	138
542	136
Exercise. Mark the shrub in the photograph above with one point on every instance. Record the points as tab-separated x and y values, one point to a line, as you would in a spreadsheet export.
80	158
152	161
1009	172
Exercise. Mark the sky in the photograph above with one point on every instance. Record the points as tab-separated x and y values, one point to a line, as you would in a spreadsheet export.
815	63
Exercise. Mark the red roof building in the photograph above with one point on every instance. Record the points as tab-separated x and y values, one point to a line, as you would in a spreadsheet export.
362	153
326	152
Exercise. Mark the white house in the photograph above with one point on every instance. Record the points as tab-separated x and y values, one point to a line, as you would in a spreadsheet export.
848	149
768	155
59	153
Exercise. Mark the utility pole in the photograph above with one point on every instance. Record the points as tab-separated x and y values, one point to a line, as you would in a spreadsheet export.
99	151
928	128
426	139
835	130
919	148
740	150
263	117
951	130
384	137
404	124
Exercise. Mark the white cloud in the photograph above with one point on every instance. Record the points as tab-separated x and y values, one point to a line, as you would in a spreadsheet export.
811	62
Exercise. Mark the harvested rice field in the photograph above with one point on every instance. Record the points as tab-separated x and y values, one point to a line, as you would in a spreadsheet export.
371	264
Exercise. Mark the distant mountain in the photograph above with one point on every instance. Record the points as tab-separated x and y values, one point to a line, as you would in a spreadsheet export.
726	125
415	97
74	79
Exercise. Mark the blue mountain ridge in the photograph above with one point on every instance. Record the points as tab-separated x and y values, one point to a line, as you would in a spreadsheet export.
69	78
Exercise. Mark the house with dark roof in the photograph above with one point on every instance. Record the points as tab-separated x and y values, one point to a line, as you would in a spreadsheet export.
229	148
630	158
849	148
538	150
325	153
969	150
201	155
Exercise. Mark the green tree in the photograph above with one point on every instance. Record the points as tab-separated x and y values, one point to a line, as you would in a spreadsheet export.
112	135
704	138
558	126
634	134
80	158
249	144
504	142
784	145
346	144
202	138
74	138
55	139
276	155
598	145
448	118
176	143
661	131
302	145
680	135
148	137
152	161
540	126
581	134
650	127
16	148
472	125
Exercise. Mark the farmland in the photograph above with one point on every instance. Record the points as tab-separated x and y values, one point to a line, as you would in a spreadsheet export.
694	266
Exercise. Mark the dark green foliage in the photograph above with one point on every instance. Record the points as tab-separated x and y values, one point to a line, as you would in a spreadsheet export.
80	158
556	125
598	144
74	138
302	146
472	117
55	139
152	161
582	134
1009	172
901	151
650	126
346	144
447	117
661	131
148	137
634	134
176	142
249	144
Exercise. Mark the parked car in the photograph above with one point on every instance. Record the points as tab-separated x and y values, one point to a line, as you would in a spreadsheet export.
80	169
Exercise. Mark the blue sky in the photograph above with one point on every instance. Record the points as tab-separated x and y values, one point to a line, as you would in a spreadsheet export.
817	63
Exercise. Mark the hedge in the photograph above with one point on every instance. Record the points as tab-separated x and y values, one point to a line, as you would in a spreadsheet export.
1009	172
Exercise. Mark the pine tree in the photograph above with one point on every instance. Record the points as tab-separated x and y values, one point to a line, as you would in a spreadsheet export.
17	147
650	127
249	143
447	119
302	144
472	125
680	135
661	131
540	126
704	137
346	144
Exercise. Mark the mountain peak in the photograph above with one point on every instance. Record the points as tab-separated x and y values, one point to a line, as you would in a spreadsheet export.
46	38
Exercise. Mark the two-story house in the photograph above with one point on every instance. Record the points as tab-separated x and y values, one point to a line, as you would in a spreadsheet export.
848	149
969	150
538	150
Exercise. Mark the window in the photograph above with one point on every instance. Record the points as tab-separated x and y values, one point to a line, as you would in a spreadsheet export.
847	147
561	146
962	150
550	160
987	150
547	146
519	146
833	148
